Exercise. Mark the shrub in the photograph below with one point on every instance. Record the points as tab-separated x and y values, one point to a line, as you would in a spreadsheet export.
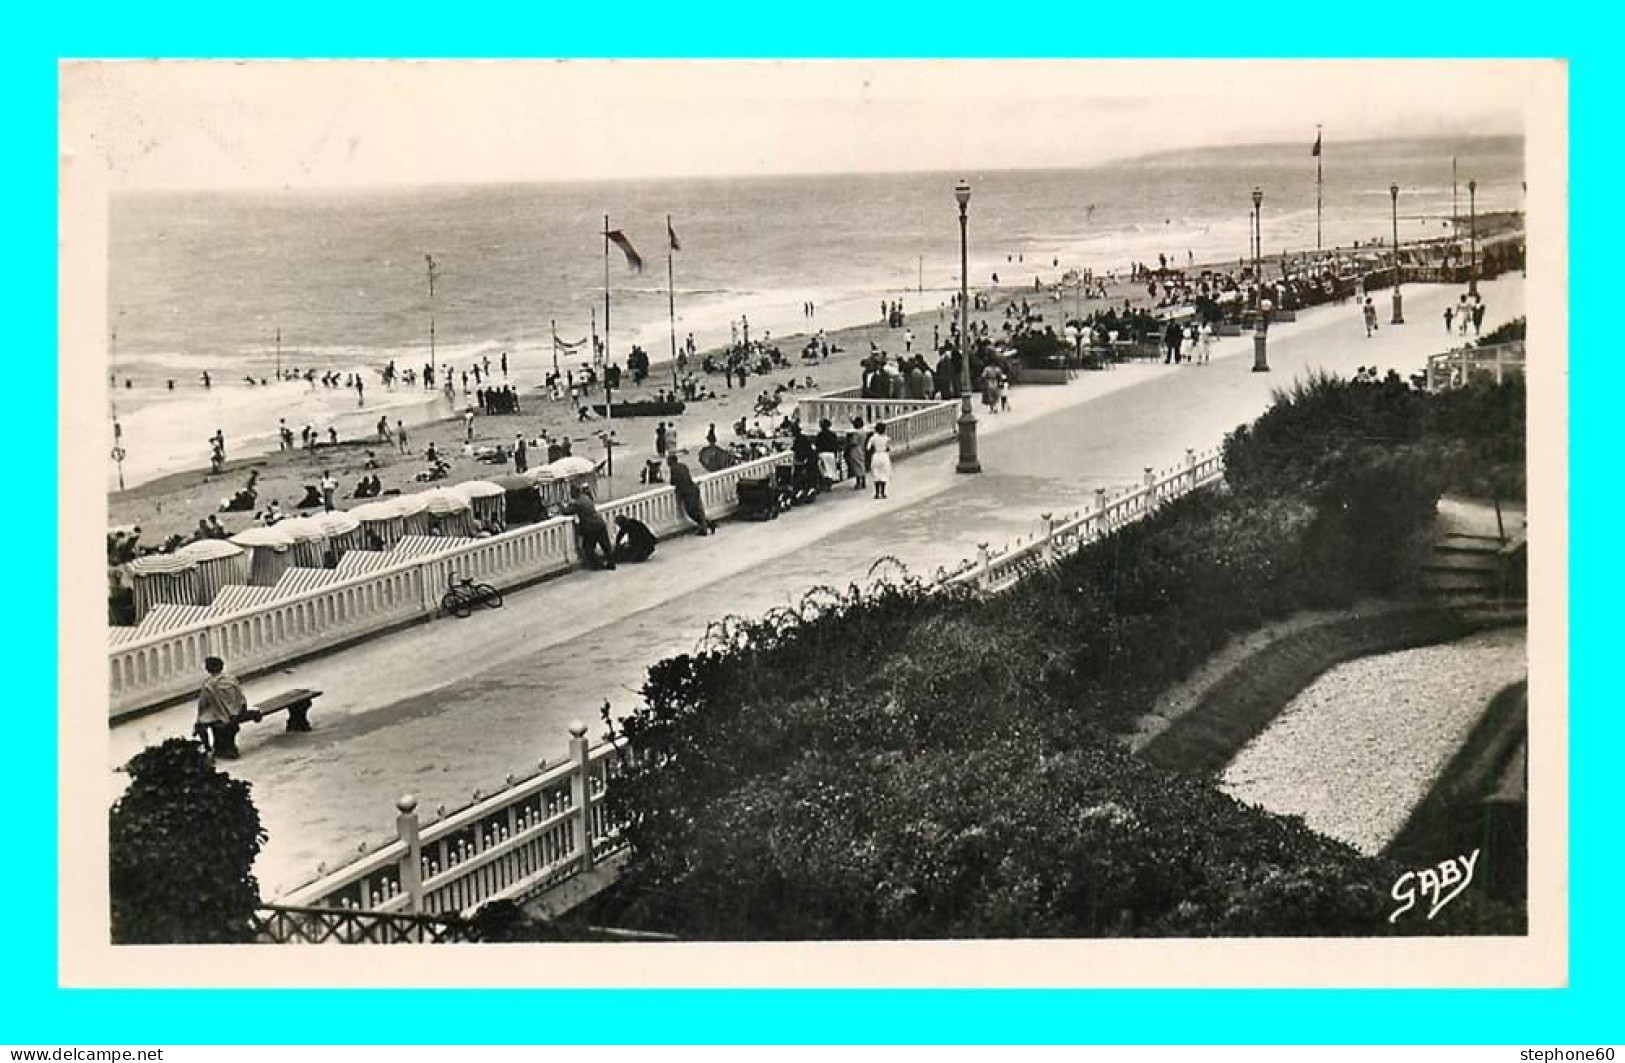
894	763
183	842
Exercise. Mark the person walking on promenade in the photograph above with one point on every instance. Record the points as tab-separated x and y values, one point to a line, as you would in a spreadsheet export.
220	707
468	425
329	487
521	456
400	436
857	454
1478	316
688	495
1449	312
660	440
880	459
591	532
1205	341
633	539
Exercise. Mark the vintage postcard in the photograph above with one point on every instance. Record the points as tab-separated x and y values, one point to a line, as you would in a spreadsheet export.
851	523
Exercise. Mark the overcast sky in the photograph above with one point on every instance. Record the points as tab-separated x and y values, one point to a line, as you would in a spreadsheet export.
311	124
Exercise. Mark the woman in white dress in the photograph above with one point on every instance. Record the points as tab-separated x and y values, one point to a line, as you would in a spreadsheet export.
880	459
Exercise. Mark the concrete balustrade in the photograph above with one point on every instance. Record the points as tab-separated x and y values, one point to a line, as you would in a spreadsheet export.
152	670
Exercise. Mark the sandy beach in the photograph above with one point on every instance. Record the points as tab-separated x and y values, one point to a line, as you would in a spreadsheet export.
173	504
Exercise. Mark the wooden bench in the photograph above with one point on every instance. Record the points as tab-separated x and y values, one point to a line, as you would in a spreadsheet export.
296	703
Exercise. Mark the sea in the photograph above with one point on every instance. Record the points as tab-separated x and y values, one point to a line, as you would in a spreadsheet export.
236	283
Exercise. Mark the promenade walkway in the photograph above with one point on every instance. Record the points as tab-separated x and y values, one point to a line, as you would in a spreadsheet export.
444	708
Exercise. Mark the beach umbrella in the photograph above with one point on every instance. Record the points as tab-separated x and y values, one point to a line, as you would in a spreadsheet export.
575	465
219	563
157	579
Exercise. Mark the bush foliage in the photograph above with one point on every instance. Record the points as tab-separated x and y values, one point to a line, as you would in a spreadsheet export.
892	762
183	842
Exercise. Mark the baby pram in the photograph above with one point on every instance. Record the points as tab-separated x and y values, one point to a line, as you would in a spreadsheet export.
798	483
758	498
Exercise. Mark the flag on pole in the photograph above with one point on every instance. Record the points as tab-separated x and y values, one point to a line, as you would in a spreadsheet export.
1314	152
633	259
671	234
567	345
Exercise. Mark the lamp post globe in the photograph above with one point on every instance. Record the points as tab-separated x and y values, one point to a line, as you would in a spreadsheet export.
1472	236
1261	306
1399	305
968	459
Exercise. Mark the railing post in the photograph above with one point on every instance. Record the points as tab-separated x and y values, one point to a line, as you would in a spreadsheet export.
581	791
1150	487
1190	466
1500	349
984	562
1049	537
1101	523
406	827
422	580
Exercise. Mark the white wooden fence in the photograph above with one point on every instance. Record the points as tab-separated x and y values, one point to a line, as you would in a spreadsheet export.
529	836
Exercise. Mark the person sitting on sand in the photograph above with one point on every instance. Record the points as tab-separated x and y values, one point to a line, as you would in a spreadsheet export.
312	499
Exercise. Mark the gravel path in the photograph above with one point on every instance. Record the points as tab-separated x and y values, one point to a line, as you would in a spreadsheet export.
1356	752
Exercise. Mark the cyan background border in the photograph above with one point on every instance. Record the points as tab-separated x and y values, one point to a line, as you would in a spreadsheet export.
32	1010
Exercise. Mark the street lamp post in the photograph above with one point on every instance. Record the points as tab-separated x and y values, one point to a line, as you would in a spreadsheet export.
1399	306
1472	236
1261	312
968	461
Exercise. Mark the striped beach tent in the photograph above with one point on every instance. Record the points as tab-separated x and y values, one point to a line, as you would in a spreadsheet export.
272	554
451	512
158	579
488	500
381	524
521	504
219	562
413	510
308	541
343	531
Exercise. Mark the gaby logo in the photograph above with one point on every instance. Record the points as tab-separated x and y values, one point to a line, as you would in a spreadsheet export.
1442	884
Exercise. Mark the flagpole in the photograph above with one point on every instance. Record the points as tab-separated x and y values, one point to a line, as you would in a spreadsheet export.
671	301
609	398
279	354
1455	210
1319	152
554	325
